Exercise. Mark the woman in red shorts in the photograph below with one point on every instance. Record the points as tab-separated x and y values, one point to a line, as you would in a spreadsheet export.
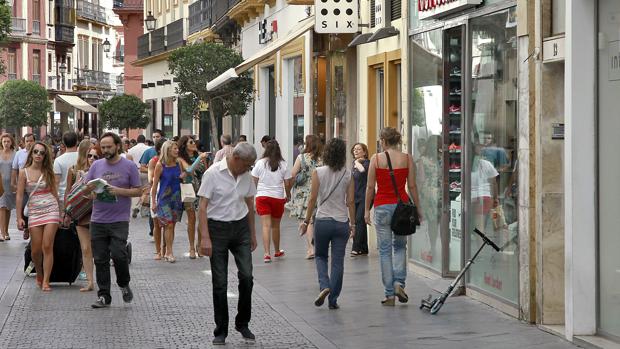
273	179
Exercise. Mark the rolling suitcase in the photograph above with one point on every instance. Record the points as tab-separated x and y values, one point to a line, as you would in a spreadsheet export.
67	256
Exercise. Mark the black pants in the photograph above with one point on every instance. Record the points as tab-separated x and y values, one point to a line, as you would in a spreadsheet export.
360	240
234	237
110	241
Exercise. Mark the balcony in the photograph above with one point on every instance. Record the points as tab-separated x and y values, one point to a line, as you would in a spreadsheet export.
174	35
64	34
92	12
158	41
92	79
143	46
64	13
18	26
200	15
246	10
36	27
128	5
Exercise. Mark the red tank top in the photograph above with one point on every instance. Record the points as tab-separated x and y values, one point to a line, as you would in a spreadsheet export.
385	189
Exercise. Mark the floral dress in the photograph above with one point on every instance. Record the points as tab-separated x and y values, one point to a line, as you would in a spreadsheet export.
299	202
169	204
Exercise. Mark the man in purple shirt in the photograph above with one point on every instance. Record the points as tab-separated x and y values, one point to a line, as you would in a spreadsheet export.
109	222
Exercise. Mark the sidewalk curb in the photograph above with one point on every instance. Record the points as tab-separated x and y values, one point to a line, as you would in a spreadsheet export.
10	294
293	319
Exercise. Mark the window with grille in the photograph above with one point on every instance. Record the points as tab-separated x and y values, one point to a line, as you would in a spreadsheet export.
395	9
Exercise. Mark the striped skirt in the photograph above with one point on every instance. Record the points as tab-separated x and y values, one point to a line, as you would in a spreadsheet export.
43	209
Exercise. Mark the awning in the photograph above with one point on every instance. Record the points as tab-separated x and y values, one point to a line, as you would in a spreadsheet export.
78	103
383	33
233	73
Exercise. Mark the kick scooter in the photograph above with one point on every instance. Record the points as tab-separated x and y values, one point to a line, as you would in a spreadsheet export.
436	304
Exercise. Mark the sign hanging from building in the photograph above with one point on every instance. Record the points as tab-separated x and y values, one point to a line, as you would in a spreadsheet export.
378	13
266	30
439	8
336	16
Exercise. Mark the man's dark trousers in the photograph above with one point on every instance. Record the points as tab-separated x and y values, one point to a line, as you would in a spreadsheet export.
109	240
234	237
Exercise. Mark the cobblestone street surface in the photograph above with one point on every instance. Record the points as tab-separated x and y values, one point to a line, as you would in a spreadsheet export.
172	307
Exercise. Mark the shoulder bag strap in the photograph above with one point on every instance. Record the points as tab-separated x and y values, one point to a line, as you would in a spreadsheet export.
334	188
392	175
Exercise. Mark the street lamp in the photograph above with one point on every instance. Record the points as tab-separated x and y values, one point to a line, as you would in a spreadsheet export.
150	22
106	46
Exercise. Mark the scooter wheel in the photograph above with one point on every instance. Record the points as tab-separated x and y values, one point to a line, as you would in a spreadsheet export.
436	306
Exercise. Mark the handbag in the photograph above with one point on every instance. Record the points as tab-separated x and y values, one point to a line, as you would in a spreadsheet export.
187	192
302	177
405	217
78	205
26	211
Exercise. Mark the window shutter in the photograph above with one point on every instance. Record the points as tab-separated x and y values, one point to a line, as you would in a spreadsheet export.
395	9
372	13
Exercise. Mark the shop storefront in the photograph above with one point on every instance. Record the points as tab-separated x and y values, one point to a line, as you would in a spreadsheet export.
463	124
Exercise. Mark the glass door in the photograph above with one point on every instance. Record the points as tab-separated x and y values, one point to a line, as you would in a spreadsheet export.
609	167
380	112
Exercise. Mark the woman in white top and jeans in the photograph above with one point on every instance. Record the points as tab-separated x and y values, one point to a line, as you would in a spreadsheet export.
334	190
273	179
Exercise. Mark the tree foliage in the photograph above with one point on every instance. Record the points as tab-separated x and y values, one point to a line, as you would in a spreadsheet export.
23	103
5	25
124	112
195	65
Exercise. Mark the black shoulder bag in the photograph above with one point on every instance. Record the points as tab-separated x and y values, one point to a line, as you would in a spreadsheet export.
405	218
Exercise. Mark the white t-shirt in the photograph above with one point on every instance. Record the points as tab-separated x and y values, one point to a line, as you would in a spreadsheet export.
62	164
136	152
271	183
481	175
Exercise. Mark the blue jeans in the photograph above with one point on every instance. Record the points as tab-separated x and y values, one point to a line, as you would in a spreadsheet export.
393	266
327	230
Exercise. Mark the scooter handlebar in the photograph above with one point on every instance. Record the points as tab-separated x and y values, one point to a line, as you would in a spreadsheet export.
487	240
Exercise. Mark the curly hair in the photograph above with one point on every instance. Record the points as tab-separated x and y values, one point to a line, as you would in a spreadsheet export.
335	154
273	155
183	151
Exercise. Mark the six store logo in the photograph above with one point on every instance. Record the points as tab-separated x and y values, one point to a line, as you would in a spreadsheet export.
424	5
336	16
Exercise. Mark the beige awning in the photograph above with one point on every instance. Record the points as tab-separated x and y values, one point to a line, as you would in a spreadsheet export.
78	103
233	73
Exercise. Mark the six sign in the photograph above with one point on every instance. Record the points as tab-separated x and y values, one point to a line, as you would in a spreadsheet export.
336	16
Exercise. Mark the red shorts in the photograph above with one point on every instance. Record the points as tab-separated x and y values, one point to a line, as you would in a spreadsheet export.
266	205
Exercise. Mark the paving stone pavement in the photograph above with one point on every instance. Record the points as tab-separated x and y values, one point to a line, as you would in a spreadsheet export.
172	308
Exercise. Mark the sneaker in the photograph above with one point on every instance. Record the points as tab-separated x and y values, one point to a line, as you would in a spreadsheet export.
452	147
456	71
246	333
100	303
399	291
334	306
219	340
267	258
455	91
388	301
454	108
82	276
127	294
321	298
279	254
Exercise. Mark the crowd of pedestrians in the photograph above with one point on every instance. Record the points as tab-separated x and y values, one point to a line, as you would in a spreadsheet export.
219	194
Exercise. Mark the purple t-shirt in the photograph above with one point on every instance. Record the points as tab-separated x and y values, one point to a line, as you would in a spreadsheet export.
123	174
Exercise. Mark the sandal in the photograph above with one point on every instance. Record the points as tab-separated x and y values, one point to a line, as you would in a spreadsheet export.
170	259
198	251
7	237
46	288
192	254
1	239
157	257
87	288
39	281
310	256
355	253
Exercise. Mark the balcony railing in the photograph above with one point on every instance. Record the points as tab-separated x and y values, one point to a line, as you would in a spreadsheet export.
174	35
36	27
158	41
93	78
18	26
64	33
91	11
200	15
128	4
12	76
64	12
36	78
143	46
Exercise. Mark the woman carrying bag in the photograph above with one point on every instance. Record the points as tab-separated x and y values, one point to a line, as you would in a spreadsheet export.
392	247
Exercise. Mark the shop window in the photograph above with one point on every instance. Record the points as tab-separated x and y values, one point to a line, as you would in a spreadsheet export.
186	118
298	105
493	159
167	107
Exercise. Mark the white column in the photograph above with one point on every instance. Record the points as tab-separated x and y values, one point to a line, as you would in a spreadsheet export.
580	168
308	98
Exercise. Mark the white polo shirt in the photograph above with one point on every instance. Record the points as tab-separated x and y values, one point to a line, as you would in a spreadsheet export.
225	193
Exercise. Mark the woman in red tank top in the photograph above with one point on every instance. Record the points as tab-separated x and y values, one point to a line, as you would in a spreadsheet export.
392	248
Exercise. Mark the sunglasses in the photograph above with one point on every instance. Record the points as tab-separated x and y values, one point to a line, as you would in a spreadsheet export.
93	156
38	152
191	142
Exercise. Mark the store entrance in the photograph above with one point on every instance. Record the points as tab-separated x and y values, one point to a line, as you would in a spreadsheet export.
609	167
